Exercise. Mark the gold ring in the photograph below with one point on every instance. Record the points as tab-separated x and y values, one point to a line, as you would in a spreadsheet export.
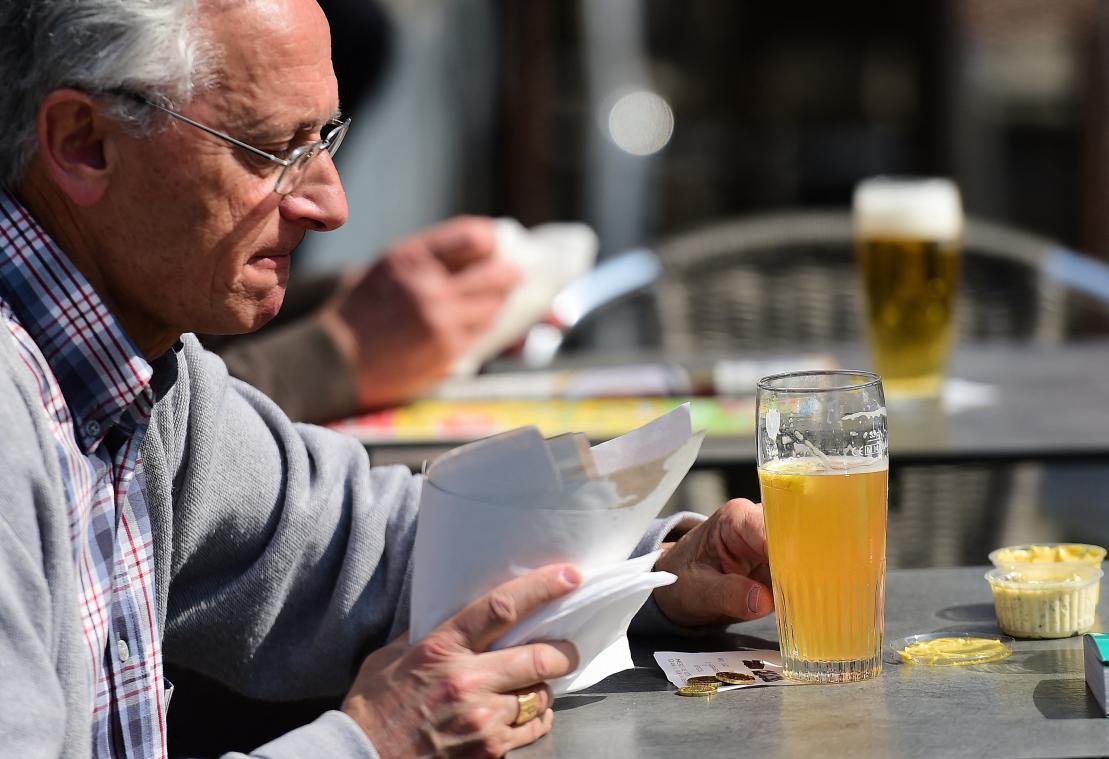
527	707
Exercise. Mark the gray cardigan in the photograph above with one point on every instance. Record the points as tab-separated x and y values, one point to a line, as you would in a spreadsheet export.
281	556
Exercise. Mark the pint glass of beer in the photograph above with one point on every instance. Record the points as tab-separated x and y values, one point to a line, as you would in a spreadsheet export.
822	456
908	235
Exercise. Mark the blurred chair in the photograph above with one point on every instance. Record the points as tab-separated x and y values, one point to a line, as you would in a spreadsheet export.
786	282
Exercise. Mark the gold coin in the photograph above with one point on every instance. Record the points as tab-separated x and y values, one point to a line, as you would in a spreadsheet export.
703	686
734	678
705	679
697	689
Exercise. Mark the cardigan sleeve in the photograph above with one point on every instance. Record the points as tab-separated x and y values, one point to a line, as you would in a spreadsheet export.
288	556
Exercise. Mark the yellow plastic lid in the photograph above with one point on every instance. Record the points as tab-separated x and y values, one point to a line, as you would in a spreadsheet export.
1047	553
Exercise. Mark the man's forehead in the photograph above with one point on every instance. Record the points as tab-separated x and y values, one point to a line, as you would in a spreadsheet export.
274	62
269	7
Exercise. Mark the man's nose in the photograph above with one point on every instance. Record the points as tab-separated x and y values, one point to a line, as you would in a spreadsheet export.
319	201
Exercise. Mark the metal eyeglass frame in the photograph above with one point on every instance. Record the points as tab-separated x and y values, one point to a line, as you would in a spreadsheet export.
298	158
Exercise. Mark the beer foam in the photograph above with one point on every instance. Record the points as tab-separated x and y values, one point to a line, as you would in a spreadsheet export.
926	209
832	465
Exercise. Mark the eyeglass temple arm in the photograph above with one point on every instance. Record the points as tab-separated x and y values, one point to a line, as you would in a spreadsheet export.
221	135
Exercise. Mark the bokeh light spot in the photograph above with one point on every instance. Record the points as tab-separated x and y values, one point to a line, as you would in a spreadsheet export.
641	122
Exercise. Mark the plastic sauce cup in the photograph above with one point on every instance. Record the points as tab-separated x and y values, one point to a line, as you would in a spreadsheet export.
1045	600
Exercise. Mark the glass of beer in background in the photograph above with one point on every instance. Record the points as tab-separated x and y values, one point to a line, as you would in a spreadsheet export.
908	235
823	463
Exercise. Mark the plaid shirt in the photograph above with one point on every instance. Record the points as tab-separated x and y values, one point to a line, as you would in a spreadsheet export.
95	389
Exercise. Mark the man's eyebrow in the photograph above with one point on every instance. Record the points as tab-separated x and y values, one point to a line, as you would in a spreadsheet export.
267	131
311	126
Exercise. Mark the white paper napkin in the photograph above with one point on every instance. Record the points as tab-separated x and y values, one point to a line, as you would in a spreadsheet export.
596	618
549	257
501	507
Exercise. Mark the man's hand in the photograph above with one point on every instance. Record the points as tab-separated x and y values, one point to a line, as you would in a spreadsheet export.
447	696
722	568
403	323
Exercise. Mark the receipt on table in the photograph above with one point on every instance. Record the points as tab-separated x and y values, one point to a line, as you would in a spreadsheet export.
764	666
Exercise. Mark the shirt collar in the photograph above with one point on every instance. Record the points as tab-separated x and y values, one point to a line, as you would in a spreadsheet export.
100	371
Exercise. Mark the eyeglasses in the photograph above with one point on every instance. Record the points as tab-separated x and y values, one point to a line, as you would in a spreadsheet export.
294	167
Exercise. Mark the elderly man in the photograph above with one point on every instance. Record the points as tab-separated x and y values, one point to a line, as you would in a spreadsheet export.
161	160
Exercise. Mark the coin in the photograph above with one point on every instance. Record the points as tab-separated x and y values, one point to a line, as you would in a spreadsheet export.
734	678
703	686
706	679
698	689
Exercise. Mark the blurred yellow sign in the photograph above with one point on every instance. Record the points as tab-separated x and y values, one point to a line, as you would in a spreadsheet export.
436	421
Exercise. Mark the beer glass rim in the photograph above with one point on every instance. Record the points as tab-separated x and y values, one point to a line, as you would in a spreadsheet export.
771	382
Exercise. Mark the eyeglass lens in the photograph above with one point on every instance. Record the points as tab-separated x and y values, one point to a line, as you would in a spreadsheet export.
291	175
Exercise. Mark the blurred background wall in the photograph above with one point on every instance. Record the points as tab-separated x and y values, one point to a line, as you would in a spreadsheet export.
514	108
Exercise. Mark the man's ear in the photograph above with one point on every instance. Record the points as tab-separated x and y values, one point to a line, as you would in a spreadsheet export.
73	134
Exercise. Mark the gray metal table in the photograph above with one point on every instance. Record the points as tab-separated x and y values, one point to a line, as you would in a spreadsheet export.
1034	704
1052	403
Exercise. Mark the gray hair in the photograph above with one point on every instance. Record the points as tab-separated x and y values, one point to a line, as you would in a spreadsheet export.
155	48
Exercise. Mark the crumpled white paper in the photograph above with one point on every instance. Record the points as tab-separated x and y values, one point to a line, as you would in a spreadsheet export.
549	257
763	665
503	506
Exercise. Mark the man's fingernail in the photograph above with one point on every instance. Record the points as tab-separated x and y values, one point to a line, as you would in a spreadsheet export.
753	600
571	576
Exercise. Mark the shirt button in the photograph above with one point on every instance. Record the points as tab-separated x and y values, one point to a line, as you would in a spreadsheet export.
124	652
92	429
